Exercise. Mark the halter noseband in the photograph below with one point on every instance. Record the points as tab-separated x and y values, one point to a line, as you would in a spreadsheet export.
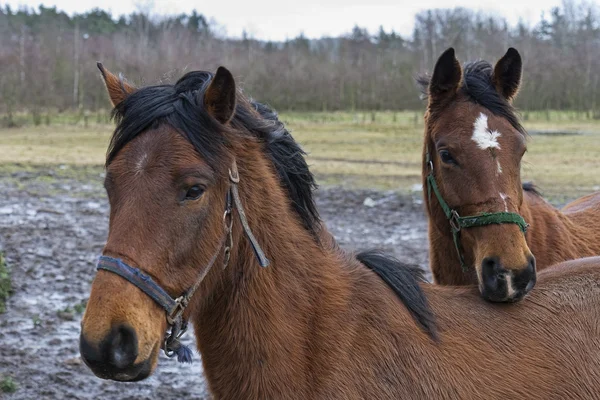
174	308
457	223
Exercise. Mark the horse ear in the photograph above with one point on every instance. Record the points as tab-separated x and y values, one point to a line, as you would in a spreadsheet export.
118	89
507	74
219	98
446	77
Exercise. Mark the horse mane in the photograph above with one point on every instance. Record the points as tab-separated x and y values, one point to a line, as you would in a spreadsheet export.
404	280
532	188
477	86
287	157
182	106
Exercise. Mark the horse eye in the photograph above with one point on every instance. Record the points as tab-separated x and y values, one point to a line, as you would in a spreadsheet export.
194	193
447	157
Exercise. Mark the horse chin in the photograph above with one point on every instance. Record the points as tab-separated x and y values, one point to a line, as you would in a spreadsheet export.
144	372
495	298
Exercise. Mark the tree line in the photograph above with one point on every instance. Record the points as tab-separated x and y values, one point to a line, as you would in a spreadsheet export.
47	58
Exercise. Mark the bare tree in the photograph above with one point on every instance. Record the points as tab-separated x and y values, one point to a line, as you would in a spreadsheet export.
53	55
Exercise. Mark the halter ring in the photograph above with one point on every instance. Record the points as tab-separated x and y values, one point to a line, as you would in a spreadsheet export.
455	221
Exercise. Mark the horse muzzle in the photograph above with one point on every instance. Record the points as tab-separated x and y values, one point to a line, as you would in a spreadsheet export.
499	284
115	356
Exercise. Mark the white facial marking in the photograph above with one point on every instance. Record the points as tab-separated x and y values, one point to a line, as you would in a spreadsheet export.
510	290
504	197
499	170
482	135
141	163
479	279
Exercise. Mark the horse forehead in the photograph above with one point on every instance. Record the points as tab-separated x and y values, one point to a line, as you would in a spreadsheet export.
484	137
164	139
158	148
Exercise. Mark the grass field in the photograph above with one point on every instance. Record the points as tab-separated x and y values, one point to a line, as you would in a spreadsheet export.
376	150
5	283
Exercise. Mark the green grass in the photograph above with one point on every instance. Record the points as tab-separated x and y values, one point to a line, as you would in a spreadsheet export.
8	385
68	313
379	150
36	320
79	308
5	283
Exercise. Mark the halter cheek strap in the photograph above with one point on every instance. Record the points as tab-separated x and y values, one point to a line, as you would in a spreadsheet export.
457	223
234	178
174	308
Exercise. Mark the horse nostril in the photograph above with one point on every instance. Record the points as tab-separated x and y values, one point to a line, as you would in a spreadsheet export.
531	266
489	272
123	346
89	353
525	280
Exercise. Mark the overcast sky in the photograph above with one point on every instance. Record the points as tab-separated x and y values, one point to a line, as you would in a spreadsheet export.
282	19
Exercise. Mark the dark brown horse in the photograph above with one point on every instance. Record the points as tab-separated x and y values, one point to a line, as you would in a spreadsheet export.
472	153
192	166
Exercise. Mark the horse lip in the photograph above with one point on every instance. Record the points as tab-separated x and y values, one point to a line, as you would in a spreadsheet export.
520	295
123	377
517	298
140	372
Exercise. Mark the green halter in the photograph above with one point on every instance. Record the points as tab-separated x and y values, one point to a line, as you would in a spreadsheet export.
457	223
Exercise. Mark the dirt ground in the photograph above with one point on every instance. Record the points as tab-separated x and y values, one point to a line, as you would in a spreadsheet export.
53	224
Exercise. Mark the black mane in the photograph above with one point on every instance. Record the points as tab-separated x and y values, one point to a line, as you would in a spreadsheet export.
287	157
182	106
477	86
531	188
404	280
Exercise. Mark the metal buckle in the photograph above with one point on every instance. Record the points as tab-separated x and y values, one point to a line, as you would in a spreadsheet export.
455	221
178	310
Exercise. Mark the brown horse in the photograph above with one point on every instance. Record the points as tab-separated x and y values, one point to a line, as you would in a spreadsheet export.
315	323
472	155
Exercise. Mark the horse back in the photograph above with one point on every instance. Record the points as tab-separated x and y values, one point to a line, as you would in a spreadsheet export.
544	347
584	206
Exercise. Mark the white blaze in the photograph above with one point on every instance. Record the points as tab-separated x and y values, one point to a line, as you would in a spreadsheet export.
509	286
482	135
499	170
504	197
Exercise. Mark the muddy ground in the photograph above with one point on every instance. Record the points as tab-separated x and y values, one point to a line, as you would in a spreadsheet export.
53	224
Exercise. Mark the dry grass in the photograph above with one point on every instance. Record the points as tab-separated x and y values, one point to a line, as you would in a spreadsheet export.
62	144
563	166
352	150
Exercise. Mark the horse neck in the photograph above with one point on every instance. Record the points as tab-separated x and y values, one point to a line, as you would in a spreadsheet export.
552	236
252	330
